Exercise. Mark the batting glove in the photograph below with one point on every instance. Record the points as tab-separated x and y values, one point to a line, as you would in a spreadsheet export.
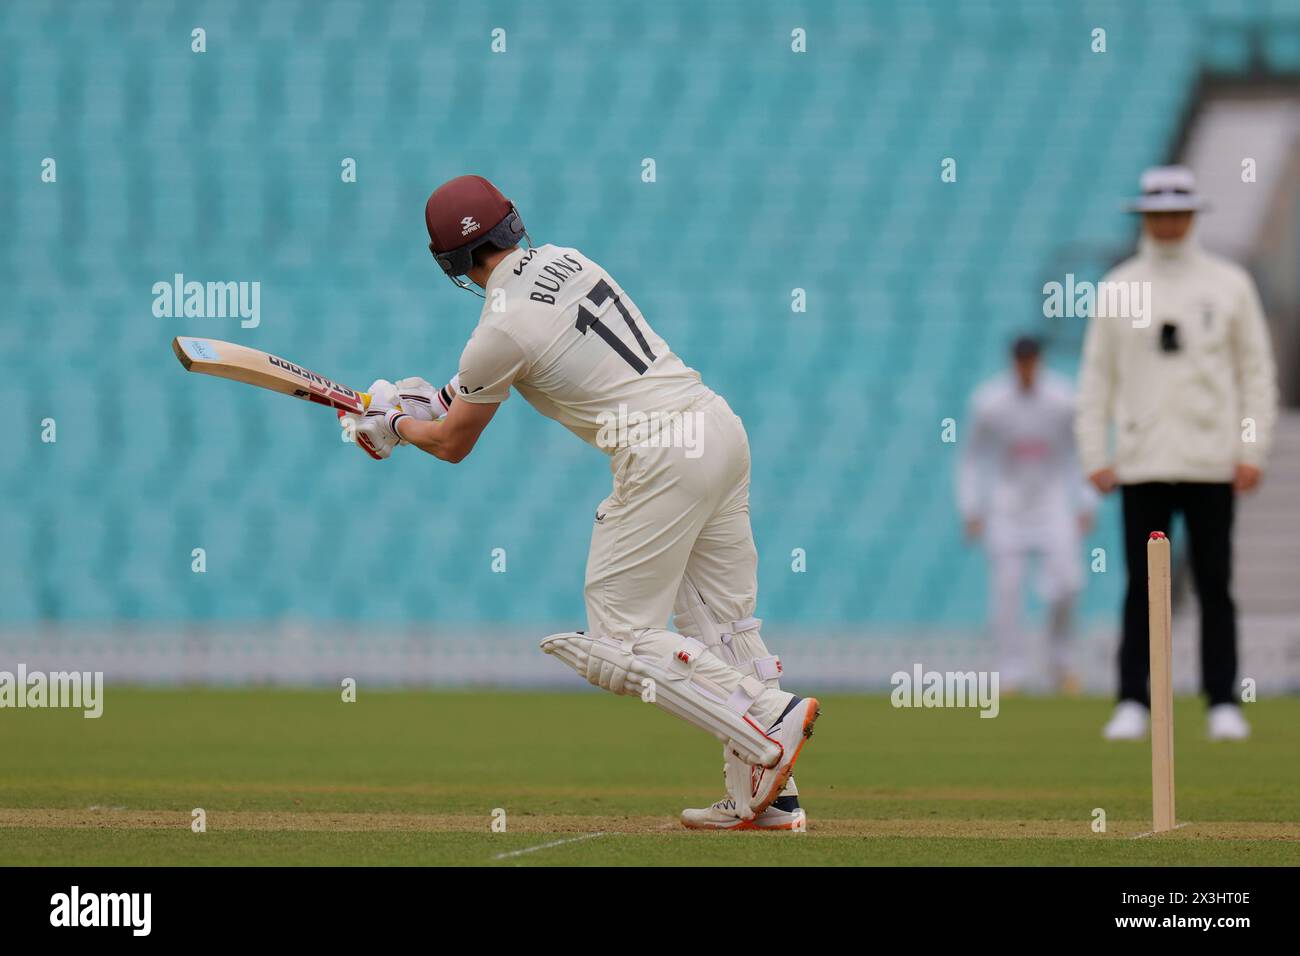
422	401
374	431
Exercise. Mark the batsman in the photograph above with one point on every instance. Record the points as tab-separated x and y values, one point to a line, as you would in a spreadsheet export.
671	541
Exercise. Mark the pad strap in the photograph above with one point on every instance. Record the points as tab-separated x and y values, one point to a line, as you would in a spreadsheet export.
727	631
767	668
743	697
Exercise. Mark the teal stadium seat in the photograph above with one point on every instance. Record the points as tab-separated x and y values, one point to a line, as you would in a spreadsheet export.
1282	49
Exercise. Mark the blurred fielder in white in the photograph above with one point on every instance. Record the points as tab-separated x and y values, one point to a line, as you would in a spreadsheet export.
1020	492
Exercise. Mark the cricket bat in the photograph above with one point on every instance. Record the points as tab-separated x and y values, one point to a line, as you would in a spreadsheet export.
239	363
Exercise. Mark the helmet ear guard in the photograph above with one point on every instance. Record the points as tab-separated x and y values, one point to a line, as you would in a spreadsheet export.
455	263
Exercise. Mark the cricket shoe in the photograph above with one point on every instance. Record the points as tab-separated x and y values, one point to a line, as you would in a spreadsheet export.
1225	722
783	814
791	730
1129	722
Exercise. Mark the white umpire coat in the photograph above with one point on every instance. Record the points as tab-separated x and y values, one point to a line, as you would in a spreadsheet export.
1187	413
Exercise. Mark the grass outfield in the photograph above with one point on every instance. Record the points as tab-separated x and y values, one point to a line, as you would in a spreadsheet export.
297	777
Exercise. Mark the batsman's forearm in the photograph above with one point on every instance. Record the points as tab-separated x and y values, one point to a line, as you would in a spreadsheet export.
437	438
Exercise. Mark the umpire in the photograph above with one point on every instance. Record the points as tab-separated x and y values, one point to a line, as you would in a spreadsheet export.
1187	378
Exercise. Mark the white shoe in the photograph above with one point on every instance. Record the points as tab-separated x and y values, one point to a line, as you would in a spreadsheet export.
784	813
1129	722
723	816
1226	723
791	730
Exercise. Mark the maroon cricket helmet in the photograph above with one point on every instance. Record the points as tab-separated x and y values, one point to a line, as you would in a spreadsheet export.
465	213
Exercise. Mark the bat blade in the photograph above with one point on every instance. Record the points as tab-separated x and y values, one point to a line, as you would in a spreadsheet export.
240	363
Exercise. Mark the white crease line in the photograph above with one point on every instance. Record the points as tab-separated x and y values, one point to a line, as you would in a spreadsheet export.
1153	832
547	846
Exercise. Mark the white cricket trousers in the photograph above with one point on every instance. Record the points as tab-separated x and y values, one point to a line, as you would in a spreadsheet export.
678	517
1054	541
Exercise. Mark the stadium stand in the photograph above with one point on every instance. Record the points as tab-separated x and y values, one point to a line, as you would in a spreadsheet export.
775	171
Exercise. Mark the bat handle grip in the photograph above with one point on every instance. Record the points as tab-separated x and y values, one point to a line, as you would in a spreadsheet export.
365	401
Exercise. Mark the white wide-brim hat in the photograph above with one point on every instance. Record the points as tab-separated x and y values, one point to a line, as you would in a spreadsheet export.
1168	189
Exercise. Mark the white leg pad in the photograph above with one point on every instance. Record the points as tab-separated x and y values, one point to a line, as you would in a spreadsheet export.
678	690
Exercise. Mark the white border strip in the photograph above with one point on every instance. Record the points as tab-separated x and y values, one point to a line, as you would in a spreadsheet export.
1178	826
547	846
298	655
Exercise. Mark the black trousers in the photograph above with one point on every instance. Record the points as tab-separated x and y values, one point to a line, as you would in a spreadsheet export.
1207	515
